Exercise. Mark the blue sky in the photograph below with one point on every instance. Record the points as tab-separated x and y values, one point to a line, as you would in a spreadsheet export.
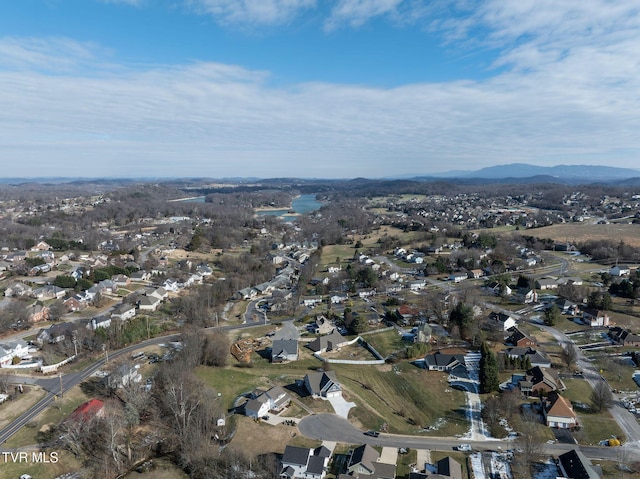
315	88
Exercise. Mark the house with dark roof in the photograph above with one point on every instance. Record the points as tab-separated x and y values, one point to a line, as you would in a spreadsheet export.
440	361
329	342
595	318
502	321
574	464
519	339
322	384
304	462
624	337
284	350
534	357
445	468
364	461
539	381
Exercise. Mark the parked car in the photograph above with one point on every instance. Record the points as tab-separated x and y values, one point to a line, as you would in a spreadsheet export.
464	447
372	433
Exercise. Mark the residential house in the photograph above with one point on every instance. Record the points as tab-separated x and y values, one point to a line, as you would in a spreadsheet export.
499	289
37	312
558	412
87	411
620	270
12	349
329	342
148	303
322	384
121	280
99	322
440	361
366	292
624	337
284	350
458	276
160	293
534	358
274	400
540	381
140	276
303	462
75	303
502	320
365	461
41	246
123	376
417	285
546	283
123	312
18	290
519	339
595	318
321	325
574	464
567	307
527	295
408	313
338	298
310	301
445	468
49	291
56	333
475	273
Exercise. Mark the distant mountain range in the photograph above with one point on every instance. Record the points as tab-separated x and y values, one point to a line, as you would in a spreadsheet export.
562	173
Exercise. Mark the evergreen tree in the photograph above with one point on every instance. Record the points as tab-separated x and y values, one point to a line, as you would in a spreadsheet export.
489	381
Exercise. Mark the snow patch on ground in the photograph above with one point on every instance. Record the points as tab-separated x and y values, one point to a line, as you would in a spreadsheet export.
548	470
477	466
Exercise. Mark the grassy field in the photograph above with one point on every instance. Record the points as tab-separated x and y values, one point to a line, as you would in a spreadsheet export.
10	410
50	417
386	342
597	427
66	462
577	232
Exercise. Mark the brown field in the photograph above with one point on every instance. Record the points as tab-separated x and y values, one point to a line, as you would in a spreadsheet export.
576	232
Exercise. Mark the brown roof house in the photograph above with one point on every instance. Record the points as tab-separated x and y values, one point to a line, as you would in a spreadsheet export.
558	412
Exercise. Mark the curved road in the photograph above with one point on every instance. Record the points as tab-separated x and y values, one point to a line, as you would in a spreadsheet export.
330	427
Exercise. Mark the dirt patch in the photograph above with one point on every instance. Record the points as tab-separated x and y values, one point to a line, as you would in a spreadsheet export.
264	437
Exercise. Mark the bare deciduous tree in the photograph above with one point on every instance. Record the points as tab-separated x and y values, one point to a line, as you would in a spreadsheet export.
601	396
569	354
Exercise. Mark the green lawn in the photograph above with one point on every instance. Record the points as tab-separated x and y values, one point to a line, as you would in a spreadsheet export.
386	342
50	417
597	427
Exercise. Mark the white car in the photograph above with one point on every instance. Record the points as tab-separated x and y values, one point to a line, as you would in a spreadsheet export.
464	447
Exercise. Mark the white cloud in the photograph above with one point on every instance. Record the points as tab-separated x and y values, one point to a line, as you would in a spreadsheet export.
355	13
555	99
253	12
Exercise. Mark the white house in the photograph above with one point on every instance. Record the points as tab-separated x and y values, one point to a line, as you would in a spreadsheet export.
12	349
504	321
620	270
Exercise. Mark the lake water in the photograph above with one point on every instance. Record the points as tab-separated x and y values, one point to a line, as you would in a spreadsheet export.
301	205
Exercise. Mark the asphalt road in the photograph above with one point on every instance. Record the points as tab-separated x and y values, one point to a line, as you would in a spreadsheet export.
330	427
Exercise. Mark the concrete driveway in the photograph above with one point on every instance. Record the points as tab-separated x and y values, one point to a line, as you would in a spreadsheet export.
341	406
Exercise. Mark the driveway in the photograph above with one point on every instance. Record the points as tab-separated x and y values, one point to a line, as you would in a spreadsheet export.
341	406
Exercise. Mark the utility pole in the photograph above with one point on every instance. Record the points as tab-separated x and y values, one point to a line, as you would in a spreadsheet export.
61	391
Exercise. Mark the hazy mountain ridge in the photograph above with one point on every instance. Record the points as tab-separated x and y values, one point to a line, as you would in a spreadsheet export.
559	172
